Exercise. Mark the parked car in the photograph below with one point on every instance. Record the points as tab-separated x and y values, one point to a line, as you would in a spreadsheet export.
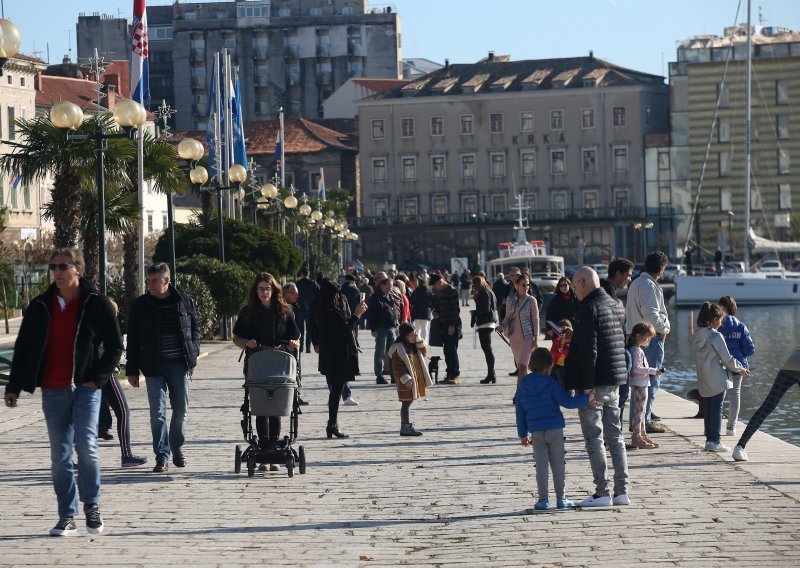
671	271
771	266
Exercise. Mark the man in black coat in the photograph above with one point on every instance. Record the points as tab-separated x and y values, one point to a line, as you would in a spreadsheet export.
596	365
309	290
163	345
350	292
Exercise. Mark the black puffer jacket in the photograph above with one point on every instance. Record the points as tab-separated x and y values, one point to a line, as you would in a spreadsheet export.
144	333
98	344
446	305
597	352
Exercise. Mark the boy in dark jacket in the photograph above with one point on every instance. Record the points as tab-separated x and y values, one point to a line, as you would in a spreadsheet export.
540	422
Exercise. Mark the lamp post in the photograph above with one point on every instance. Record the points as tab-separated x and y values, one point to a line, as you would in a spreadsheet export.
192	151
130	116
730	234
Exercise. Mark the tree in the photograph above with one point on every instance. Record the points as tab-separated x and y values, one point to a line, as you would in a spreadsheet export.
258	249
228	282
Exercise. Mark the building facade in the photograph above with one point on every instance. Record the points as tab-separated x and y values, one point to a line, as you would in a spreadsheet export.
443	158
708	138
290	53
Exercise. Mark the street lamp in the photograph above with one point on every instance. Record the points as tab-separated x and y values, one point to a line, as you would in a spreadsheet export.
192	151
9	42
130	116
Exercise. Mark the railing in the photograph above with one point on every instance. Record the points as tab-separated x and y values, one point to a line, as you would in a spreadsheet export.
539	216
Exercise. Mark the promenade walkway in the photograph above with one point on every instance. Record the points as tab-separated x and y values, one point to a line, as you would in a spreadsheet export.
462	494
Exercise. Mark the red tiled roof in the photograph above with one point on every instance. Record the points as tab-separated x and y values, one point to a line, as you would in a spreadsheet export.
379	85
54	89
301	137
121	71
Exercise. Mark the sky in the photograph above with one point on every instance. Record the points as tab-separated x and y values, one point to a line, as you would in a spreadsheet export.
637	34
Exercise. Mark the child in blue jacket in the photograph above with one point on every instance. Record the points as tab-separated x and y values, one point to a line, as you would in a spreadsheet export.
539	421
740	344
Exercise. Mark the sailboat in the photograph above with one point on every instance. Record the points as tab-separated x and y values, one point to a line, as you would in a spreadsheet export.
757	288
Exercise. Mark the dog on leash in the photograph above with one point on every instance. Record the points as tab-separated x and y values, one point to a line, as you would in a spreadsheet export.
433	368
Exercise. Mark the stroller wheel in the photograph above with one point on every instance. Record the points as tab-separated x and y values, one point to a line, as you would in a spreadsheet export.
301	460
237	467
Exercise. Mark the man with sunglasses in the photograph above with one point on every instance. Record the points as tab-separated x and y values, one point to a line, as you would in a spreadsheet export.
163	344
68	345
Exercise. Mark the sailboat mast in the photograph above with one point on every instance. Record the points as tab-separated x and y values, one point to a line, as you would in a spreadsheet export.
747	95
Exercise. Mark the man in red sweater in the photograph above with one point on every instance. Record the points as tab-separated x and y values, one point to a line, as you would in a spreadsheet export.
68	345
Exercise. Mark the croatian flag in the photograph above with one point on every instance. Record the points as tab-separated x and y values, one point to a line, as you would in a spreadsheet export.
321	186
17	179
140	70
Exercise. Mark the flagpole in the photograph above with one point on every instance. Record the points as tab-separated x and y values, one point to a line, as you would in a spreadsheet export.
217	123
283	151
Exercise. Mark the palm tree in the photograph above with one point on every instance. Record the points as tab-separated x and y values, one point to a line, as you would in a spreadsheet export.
161	168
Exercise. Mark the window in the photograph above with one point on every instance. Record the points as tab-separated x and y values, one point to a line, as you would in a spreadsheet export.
620	158
783	162
785	196
407	128
725	200
10	79
437	126
409	168
724	130
381	206
619	116
724	164
469	204
284	12
230	43
782	126
589	160
526	121
590	199
467	124
159	33
410	208
496	122
558	200
316	11
438	167
12	127
149	221
587	118
439	206
164	221
781	92
347	11
556	120
621	198
13	191
377	129
189	16
22	81
497	161
723	95
558	161
467	166
499	203
378	169
648	116
527	160
26	198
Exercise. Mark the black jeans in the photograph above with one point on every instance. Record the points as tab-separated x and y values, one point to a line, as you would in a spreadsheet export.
783	382
334	396
485	337
304	324
268	428
451	353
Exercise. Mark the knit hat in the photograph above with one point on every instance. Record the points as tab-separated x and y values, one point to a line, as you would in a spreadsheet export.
404	330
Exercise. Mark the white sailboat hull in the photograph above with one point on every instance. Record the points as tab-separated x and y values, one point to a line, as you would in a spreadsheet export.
746	289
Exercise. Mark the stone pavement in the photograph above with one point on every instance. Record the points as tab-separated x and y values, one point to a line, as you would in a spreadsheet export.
462	494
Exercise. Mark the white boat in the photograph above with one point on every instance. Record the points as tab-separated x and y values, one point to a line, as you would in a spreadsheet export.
749	289
545	269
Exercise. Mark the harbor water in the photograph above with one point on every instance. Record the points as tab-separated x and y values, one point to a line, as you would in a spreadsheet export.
776	333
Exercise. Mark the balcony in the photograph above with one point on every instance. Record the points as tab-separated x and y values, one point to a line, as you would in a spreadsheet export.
503	218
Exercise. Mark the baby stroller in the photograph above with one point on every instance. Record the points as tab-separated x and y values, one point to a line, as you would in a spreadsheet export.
270	389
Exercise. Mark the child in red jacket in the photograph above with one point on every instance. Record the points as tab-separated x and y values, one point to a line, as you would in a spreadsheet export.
560	349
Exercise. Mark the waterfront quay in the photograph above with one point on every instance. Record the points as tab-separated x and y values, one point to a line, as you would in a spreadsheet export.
460	495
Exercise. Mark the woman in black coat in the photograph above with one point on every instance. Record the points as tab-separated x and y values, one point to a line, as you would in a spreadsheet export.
266	320
563	305
335	337
485	321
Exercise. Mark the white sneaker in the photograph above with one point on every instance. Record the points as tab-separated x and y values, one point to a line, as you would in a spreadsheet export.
739	454
350	402
622	499
731	431
717	447
593	501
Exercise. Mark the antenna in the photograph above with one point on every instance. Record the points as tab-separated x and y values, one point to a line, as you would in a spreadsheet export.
761	18
69	42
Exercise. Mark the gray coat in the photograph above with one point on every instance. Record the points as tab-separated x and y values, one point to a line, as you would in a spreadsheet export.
713	362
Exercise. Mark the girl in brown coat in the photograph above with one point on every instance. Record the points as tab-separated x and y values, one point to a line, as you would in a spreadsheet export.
410	368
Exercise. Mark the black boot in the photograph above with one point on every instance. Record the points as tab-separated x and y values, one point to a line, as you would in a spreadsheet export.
489	379
333	430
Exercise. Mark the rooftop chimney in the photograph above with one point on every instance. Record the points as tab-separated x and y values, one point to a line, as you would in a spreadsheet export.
591	55
446	64
491	56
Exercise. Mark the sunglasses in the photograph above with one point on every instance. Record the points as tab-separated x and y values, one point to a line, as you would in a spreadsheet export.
63	266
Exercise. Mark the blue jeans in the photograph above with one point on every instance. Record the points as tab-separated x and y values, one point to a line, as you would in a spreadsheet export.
383	341
655	358
174	379
712	419
71	416
450	349
601	430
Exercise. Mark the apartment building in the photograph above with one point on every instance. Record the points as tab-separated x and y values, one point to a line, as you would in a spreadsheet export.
708	137
290	53
443	158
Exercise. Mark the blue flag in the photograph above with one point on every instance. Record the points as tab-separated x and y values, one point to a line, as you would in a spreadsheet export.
239	150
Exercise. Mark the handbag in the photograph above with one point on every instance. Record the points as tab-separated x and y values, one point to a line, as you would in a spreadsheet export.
435	337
